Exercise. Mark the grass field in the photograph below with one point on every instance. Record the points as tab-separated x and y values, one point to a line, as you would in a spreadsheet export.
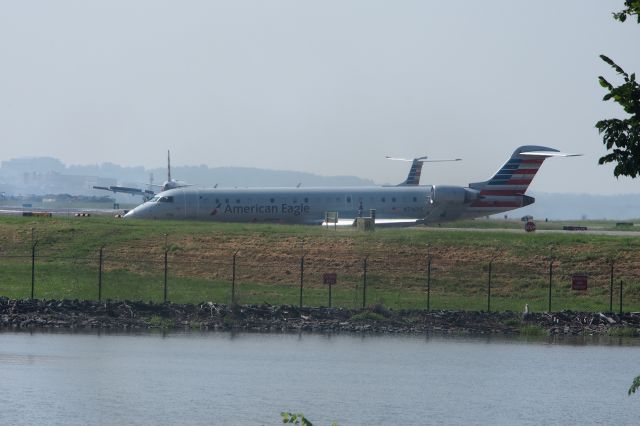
268	264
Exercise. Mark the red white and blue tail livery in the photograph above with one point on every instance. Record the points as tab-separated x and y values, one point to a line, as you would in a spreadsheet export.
503	192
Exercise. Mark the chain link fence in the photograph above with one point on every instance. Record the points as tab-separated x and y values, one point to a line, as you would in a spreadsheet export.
155	271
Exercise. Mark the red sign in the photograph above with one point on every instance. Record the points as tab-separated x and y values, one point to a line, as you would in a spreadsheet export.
330	278
529	226
579	282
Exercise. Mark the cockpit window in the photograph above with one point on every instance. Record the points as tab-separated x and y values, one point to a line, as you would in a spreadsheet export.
166	199
154	199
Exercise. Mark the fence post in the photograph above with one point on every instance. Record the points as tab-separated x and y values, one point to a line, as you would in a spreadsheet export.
429	283
489	287
33	268
329	294
550	282
301	278
611	289
100	275
233	278
165	274
620	297
364	283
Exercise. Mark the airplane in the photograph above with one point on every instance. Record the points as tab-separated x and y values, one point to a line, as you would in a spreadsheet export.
416	168
148	193
404	204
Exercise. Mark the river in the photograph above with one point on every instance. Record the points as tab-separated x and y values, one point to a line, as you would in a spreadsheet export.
248	379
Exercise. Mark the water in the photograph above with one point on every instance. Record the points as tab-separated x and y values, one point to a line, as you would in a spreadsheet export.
248	379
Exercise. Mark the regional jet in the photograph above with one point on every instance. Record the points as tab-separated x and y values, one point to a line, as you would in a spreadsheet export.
406	204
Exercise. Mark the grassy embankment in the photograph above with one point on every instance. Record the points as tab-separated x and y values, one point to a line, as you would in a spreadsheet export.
269	263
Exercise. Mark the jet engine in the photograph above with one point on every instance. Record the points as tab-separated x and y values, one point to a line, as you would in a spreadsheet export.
453	194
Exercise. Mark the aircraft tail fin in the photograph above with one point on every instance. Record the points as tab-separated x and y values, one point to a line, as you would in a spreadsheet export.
413	178
514	177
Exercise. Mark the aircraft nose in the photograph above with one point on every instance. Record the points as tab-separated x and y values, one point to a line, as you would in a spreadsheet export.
135	214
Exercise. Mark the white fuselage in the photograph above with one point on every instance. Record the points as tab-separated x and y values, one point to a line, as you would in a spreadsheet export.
305	205
285	205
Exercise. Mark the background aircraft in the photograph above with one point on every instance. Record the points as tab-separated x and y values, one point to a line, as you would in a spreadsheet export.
148	193
406	204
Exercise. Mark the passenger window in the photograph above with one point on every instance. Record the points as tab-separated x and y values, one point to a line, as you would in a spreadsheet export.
415	199
383	199
393	200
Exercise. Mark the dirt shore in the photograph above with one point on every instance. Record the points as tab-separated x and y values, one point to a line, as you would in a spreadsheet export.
112	315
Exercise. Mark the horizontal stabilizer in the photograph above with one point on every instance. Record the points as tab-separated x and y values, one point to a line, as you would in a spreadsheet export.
514	177
550	154
416	168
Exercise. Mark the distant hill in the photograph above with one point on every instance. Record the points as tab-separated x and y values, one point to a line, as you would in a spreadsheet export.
46	175
247	176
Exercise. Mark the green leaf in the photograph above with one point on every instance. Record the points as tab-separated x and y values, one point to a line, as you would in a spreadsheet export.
635	385
606	59
604	83
615	66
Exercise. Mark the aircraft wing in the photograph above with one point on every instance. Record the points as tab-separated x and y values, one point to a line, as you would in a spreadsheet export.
380	222
127	190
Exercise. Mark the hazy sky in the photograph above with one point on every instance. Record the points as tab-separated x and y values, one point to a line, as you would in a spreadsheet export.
328	87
